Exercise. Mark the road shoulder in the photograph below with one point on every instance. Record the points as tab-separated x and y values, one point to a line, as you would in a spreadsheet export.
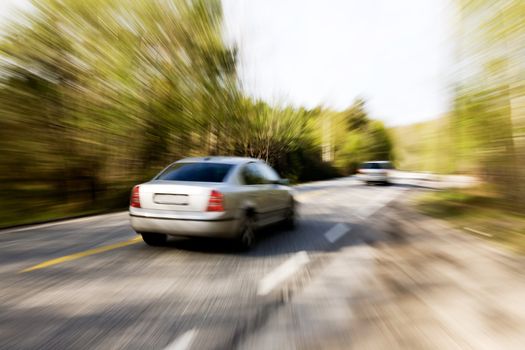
426	286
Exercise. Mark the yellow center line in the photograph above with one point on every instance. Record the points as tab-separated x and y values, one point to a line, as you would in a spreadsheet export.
82	254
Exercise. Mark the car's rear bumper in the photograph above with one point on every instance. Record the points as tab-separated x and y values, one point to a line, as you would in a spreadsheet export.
207	225
373	178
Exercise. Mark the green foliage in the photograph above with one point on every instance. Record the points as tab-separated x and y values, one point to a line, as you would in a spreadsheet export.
370	142
488	117
99	94
425	146
356	115
484	133
477	209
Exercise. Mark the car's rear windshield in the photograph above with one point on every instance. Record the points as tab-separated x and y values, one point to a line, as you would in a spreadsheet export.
373	165
198	172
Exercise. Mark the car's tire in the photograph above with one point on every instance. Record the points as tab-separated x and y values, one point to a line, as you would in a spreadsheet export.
154	239
246	237
289	222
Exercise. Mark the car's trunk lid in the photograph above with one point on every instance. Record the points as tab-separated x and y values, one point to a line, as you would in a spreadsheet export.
176	195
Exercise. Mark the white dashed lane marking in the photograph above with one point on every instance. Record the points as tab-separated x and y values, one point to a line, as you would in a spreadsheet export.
282	272
183	342
337	232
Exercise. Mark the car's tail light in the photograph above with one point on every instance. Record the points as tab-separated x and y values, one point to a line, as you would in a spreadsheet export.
216	202
135	197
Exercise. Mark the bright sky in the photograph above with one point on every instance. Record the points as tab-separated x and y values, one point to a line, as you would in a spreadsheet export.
393	53
8	7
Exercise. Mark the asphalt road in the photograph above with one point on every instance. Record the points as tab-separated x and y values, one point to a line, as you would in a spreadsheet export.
92	284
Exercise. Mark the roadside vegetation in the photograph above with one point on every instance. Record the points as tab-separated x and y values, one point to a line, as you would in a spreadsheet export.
98	95
484	134
425	146
477	212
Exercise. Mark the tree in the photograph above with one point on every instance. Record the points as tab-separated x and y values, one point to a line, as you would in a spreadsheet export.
488	112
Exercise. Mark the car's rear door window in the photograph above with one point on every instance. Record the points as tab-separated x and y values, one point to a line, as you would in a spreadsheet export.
252	175
269	174
197	172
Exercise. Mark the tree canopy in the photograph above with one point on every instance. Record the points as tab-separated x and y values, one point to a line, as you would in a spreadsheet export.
98	94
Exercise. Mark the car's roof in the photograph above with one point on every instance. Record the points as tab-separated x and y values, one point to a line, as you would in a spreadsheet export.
377	161
219	159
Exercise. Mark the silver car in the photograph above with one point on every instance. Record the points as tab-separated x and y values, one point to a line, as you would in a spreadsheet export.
227	197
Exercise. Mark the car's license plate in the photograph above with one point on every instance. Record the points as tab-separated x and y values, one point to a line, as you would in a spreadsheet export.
175	199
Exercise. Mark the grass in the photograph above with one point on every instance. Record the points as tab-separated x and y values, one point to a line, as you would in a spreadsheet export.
29	206
57	212
478	210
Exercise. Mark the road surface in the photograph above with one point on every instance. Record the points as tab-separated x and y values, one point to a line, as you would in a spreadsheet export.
346	277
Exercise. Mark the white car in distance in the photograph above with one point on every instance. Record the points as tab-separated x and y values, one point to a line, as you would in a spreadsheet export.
375	172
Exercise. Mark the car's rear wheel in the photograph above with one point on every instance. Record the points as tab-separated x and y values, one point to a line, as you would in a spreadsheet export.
154	239
246	238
